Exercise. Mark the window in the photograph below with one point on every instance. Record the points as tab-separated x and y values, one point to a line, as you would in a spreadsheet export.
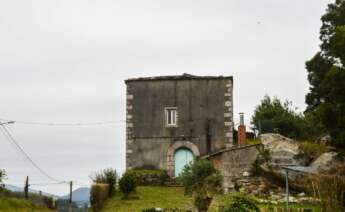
171	116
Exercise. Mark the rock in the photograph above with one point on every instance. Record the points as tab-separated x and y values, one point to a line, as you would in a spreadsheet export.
246	174
324	162
301	194
325	140
291	199
284	151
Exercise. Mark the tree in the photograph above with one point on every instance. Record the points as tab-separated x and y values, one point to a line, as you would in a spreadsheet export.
127	184
274	116
2	175
106	176
326	75
202	181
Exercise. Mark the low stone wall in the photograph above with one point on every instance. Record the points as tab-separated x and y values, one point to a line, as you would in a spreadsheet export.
235	163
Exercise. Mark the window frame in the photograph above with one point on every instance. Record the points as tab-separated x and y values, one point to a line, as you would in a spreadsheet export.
170	115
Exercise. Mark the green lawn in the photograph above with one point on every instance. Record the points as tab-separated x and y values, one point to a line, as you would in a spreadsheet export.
8	204
171	197
148	197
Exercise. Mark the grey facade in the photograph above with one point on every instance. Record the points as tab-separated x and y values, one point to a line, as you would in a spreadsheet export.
204	118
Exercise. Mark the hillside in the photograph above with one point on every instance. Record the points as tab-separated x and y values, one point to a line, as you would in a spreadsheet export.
8	204
80	195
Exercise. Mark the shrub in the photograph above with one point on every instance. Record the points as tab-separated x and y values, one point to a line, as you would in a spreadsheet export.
264	157
48	201
98	195
313	149
106	176
149	176
127	184
2	175
241	203
203	181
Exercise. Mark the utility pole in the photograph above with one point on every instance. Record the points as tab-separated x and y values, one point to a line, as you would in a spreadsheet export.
70	192
26	188
70	197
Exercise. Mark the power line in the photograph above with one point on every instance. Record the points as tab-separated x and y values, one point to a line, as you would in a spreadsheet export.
10	138
67	124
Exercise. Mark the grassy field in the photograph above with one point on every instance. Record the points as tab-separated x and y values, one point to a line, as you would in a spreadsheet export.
148	197
9	204
169	198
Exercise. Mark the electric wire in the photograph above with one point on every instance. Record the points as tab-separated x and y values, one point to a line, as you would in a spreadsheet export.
27	157
67	124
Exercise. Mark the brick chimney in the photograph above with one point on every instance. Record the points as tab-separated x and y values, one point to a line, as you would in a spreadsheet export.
241	131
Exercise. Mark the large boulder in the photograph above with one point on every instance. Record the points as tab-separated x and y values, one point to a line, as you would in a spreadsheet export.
324	162
284	151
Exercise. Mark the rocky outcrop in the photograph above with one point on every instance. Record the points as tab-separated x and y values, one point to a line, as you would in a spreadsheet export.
284	151
324	162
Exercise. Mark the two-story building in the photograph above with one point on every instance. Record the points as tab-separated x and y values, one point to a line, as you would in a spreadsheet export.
172	120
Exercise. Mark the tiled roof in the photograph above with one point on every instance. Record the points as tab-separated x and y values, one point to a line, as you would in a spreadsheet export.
177	77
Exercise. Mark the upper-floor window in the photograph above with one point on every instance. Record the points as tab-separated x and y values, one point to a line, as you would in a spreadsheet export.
171	116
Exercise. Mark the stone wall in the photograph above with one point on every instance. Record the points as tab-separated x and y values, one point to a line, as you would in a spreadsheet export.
235	163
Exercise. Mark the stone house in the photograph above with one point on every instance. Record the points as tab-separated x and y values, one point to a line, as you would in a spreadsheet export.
171	120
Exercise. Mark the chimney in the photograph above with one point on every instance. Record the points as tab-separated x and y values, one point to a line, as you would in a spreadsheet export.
241	131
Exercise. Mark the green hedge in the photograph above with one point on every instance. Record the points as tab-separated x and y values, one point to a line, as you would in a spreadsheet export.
149	177
98	195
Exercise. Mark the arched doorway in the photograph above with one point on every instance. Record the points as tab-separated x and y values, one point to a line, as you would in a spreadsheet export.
171	153
182	157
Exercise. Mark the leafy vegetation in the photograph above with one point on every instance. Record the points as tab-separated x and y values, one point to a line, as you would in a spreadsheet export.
2	175
313	149
203	181
330	190
98	195
274	116
264	157
241	203
19	205
127	184
326	75
149	177
107	176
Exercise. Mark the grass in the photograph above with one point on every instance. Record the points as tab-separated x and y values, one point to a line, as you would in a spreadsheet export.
313	149
8	204
149	197
253	141
173	197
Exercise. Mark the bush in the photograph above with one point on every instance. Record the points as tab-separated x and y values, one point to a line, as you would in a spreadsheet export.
241	203
149	177
264	157
2	175
106	176
98	195
203	181
48	201
127	184
313	149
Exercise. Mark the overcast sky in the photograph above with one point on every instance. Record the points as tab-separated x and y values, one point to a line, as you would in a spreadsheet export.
66	61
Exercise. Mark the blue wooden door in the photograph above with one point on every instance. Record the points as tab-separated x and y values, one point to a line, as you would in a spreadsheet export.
182	157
